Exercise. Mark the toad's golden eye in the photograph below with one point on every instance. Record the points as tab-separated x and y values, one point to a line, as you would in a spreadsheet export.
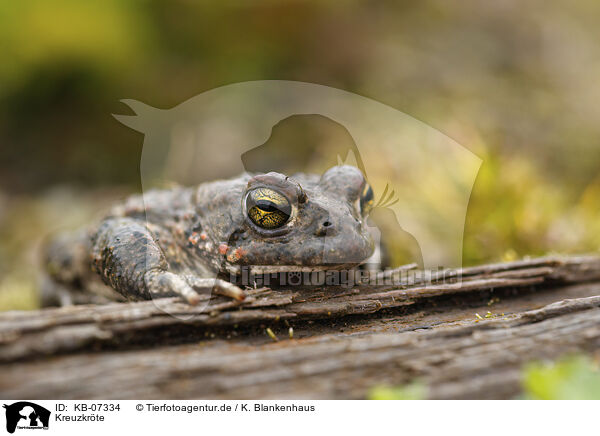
366	199
268	208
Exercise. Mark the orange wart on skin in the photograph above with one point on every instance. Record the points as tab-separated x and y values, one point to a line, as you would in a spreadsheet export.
237	254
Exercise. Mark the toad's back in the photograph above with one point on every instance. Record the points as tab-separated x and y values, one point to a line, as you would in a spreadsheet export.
176	242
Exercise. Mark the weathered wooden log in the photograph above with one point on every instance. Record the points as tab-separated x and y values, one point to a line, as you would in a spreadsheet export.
345	340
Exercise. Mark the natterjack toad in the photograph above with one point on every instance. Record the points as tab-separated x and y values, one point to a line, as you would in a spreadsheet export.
182	241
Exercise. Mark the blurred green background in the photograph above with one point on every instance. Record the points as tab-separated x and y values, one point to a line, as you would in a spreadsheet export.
516	83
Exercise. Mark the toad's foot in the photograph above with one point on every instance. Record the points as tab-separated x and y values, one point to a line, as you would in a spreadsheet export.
219	286
166	284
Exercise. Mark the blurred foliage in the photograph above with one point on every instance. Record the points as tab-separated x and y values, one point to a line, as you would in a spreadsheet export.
571	378
413	391
514	82
516	210
575	377
18	292
25	223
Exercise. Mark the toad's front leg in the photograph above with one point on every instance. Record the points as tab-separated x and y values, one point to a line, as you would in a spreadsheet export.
129	259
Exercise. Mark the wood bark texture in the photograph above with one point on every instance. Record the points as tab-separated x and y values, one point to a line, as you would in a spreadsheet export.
464	336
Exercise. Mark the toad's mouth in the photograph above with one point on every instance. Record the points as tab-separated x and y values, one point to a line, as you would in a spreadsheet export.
275	269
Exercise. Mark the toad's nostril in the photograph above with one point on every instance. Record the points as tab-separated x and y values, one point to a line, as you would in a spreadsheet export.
326	228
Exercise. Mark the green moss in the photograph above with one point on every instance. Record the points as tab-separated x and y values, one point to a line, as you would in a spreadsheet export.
571	378
412	391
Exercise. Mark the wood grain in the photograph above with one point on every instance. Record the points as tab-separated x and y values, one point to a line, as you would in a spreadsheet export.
344	340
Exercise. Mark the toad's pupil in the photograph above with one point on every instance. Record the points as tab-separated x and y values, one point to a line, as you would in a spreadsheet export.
267	206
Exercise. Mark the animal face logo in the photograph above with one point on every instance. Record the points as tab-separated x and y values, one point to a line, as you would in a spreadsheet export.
421	178
26	415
